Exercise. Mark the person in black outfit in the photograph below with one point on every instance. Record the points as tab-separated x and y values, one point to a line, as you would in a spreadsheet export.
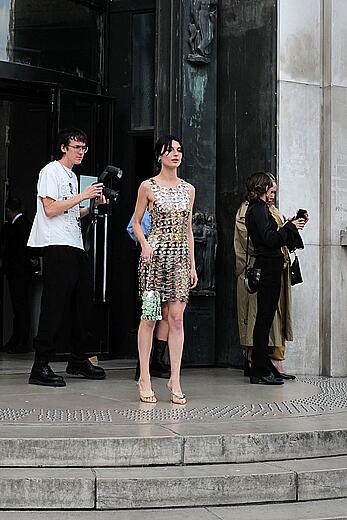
267	240
18	270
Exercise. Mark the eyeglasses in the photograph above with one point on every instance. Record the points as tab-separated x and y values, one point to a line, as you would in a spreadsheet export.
79	148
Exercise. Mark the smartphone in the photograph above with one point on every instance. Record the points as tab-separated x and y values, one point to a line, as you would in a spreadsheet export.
301	213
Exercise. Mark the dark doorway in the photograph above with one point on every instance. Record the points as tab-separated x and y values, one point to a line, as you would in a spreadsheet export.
29	120
26	119
126	252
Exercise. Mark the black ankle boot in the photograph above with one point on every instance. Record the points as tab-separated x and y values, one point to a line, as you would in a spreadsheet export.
274	370
157	367
137	371
42	374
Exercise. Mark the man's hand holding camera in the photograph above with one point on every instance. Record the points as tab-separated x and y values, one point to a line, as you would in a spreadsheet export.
92	192
95	191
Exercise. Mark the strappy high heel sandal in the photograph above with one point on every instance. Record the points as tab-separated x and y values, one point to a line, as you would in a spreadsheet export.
176	399
150	399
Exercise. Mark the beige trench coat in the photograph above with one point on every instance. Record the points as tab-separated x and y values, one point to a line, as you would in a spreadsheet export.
281	329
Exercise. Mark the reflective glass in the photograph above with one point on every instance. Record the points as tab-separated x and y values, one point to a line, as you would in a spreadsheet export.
62	35
5	29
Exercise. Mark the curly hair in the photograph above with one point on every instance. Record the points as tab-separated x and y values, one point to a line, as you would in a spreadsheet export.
258	184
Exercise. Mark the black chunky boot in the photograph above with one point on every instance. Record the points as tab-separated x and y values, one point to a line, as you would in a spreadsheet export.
137	371
157	367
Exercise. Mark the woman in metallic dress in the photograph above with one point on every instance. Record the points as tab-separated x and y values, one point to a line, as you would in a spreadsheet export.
167	267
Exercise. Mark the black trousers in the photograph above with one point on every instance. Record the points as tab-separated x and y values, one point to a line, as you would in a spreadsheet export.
19	288
66	303
267	301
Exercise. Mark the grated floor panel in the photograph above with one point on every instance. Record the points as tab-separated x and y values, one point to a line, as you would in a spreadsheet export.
331	397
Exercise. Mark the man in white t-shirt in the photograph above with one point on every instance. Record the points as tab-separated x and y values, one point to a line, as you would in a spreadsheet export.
67	281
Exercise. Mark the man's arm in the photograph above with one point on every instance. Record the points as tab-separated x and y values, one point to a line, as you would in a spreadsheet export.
54	207
98	202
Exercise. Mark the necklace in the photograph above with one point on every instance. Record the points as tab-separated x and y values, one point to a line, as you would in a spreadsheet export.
70	175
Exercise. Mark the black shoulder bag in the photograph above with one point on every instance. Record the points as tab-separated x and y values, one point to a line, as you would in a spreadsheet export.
295	271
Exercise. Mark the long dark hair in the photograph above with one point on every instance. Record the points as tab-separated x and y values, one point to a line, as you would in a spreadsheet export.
258	184
164	145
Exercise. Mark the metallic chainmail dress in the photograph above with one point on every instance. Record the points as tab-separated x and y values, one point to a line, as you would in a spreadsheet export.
167	277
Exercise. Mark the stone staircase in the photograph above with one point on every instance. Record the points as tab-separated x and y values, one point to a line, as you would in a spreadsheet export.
55	472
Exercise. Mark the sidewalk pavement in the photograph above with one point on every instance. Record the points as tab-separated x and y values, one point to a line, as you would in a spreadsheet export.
219	400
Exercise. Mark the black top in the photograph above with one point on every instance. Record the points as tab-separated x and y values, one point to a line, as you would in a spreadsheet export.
263	230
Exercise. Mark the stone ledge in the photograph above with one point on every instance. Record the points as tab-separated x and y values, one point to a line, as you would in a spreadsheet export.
261	447
174	486
34	488
313	510
320	478
193	486
70	452
170	450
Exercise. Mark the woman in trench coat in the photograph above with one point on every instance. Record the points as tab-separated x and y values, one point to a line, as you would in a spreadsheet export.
282	326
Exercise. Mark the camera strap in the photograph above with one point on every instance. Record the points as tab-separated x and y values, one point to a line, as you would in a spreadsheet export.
247	251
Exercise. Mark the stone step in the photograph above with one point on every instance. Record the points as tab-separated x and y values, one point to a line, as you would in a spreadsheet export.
164	487
207	485
57	447
313	510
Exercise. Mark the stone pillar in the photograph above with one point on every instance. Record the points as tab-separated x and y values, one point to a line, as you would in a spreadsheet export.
312	148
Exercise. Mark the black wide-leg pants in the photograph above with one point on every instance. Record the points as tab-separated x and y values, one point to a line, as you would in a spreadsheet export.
267	301
66	303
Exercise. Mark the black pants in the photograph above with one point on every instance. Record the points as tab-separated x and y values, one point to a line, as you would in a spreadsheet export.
19	288
66	303
267	301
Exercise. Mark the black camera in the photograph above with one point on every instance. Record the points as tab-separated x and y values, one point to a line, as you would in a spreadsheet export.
110	173
251	280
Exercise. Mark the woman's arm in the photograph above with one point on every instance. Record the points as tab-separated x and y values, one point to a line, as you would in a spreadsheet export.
193	275
272	238
141	205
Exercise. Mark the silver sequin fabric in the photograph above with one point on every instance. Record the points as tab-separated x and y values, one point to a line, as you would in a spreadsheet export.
169	271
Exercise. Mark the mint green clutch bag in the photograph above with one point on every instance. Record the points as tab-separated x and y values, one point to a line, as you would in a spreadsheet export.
151	306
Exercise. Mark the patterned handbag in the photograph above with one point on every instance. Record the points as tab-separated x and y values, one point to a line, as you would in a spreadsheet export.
151	303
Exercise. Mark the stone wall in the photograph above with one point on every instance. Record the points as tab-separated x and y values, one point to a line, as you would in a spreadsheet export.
312	159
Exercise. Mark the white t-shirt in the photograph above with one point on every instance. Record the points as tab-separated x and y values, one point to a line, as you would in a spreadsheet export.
59	183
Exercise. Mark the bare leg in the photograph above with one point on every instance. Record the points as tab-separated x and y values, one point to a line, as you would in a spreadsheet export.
162	328
144	341
176	338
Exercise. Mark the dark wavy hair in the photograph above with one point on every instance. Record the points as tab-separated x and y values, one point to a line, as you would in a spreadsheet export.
65	136
164	145
258	184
